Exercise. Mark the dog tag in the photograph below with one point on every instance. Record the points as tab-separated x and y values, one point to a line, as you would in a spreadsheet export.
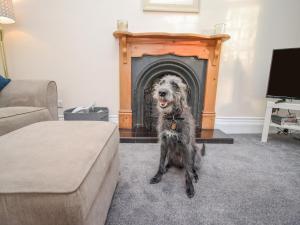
173	125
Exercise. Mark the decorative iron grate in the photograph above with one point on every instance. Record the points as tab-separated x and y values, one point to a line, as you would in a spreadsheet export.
148	70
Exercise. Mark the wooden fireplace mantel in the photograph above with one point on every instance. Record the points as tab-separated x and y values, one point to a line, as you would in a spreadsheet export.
182	44
163	35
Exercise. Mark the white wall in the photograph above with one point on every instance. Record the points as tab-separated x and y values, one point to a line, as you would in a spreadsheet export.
71	42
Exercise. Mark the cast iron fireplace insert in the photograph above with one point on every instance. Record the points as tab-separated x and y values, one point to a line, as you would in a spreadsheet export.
147	70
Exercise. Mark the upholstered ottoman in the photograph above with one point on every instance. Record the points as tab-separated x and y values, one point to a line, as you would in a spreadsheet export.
58	173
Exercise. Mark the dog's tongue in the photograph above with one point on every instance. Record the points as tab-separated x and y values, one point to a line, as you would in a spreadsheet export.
163	103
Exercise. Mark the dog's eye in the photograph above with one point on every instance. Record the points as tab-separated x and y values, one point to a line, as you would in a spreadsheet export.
162	82
174	85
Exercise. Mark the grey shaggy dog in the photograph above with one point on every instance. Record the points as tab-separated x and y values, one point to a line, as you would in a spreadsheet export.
176	129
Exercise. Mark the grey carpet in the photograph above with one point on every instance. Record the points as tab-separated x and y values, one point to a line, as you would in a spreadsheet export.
244	183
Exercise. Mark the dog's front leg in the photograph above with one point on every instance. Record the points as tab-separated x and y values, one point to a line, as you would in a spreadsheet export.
161	168
188	164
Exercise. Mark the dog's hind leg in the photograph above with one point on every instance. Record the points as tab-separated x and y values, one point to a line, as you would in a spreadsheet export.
161	168
197	153
167	167
203	150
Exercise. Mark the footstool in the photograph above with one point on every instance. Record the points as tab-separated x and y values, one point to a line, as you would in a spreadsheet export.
58	173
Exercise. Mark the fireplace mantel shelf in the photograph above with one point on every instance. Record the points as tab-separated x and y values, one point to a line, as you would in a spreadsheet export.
162	35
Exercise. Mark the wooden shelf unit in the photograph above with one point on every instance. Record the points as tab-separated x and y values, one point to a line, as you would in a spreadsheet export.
267	123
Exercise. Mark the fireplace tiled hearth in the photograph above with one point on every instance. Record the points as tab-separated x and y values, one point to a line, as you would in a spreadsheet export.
145	57
142	135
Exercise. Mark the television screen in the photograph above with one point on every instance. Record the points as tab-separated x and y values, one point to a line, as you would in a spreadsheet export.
284	80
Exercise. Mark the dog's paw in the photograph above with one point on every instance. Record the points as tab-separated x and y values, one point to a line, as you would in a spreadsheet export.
190	192
155	180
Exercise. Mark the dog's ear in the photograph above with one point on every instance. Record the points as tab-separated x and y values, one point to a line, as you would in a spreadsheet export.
183	99
162	81
183	87
154	90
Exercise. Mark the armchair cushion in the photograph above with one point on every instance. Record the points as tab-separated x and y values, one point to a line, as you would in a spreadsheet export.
3	82
12	118
34	93
6	112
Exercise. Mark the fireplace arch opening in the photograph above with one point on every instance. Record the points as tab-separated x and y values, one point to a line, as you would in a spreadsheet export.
148	70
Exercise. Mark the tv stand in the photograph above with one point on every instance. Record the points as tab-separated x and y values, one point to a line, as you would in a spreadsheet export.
280	105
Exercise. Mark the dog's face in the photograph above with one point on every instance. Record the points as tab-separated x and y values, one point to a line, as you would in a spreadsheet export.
169	91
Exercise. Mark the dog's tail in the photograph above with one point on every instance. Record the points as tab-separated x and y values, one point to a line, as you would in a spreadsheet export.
203	150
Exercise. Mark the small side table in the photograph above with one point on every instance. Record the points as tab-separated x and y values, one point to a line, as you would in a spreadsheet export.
268	122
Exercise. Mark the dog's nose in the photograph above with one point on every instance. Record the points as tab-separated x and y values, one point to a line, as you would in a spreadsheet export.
162	93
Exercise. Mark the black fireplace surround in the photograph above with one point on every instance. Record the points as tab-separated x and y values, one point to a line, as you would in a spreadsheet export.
147	70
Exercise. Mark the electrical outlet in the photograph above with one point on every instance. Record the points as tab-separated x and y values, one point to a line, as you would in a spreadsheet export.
60	103
60	109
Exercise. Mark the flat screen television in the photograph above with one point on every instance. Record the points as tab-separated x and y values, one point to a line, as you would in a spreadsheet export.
284	80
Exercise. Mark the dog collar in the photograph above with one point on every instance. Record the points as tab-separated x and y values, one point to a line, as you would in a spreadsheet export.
173	118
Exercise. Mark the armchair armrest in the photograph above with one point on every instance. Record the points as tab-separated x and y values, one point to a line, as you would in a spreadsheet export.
36	93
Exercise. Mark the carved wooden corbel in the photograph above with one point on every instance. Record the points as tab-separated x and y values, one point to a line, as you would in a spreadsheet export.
217	52
124	49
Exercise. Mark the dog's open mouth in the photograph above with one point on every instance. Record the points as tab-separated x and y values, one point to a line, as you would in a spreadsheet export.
163	103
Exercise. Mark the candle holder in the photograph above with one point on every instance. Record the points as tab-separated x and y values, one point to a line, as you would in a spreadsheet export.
220	28
122	25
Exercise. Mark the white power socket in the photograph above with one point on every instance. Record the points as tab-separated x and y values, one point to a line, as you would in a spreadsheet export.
60	103
60	109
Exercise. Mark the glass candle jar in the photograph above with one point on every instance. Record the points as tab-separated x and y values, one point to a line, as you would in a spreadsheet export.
220	28
122	25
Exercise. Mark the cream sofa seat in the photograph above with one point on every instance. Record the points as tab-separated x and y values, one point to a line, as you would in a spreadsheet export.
58	173
23	102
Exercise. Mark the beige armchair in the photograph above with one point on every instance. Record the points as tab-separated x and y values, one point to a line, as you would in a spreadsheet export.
23	102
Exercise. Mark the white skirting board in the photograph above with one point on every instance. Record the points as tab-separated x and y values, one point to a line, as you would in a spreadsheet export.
229	125
240	125
114	118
